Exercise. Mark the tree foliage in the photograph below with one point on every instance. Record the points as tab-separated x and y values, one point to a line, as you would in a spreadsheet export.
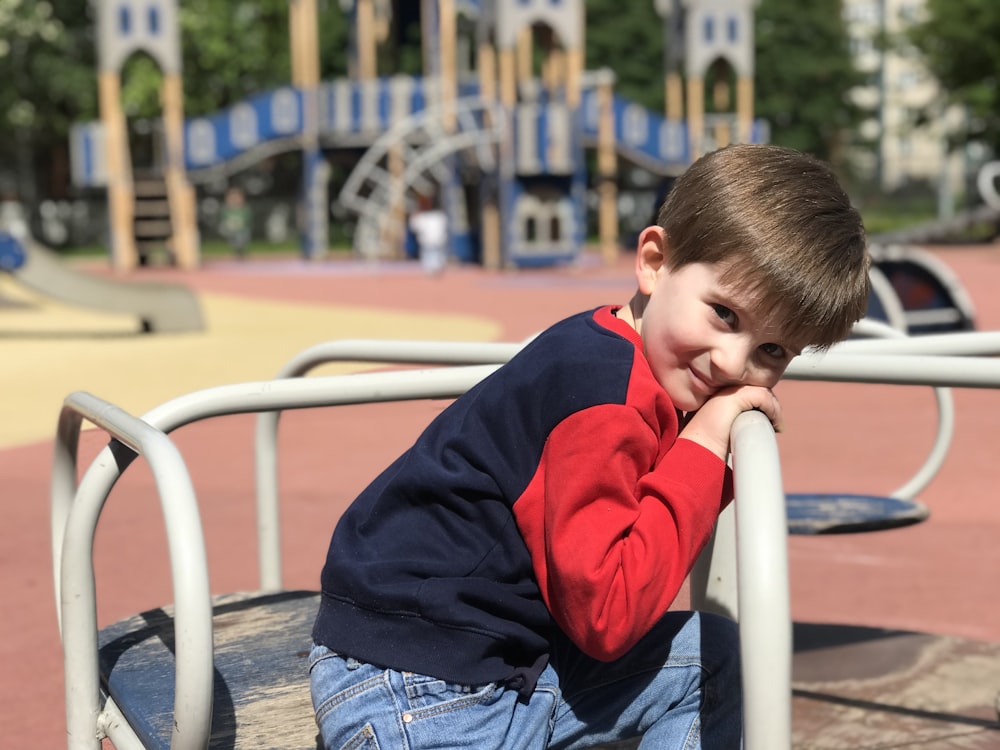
234	48
804	68
46	65
231	50
804	73
630	43
960	41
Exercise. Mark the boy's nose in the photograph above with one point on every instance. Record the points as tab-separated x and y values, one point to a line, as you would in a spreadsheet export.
731	364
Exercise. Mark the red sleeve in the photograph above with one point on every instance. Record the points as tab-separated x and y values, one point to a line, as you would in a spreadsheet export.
611	540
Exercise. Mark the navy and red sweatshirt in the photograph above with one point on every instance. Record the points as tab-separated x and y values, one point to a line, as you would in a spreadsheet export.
554	493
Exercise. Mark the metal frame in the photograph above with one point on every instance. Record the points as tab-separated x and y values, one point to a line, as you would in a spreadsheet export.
759	560
884	339
346	350
76	509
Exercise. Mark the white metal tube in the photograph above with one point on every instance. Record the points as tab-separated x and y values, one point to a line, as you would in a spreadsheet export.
189	570
764	606
78	520
348	350
986	343
945	403
894	369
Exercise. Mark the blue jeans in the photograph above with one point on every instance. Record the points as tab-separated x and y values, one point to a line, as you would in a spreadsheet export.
678	688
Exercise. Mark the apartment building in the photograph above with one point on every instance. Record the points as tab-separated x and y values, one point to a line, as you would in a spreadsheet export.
899	87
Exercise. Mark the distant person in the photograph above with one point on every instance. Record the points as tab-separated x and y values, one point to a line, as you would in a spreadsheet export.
235	221
429	224
507	582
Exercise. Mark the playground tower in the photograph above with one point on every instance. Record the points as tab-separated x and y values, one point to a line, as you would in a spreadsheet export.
541	182
497	126
710	46
123	28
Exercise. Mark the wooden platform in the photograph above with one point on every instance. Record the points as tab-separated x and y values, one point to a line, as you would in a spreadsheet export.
261	695
861	688
855	688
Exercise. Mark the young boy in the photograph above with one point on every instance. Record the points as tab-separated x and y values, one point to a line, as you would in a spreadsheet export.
506	582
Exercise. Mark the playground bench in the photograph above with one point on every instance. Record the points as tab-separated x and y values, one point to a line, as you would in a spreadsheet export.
230	671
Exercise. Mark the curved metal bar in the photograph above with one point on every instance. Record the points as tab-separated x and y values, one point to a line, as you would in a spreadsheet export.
348	350
75	512
74	522
973	343
895	369
883	290
762	581
946	415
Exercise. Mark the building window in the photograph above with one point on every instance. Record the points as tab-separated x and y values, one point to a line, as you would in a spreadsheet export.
124	21
733	28
709	29
154	20
530	230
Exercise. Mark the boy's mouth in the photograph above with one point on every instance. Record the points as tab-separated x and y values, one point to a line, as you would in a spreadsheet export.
702	383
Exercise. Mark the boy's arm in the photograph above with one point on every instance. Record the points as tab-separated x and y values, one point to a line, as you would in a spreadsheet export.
611	540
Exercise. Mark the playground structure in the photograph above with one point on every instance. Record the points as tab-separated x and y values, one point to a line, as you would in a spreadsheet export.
503	145
214	693
159	307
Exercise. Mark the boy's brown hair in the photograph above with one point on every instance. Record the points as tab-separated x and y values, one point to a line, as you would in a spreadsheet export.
784	230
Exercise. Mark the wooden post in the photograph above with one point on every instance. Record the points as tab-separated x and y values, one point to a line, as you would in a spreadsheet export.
303	29
449	83
121	198
695	115
365	30
674	97
489	230
722	103
607	169
508	82
744	107
180	195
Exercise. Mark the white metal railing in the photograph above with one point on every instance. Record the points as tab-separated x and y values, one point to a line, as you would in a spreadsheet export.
887	340
765	615
346	350
75	512
945	408
76	508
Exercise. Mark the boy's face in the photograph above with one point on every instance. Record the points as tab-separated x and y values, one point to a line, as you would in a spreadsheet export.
700	336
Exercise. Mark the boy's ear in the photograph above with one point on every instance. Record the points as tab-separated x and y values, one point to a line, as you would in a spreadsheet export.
650	257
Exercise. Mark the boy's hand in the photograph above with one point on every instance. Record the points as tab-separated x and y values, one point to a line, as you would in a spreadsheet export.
711	425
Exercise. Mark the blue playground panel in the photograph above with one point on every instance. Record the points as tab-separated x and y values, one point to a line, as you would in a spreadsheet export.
12	255
355	113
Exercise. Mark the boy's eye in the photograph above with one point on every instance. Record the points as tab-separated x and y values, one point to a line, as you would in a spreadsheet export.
725	314
773	350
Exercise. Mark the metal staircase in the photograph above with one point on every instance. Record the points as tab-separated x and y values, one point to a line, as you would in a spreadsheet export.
423	144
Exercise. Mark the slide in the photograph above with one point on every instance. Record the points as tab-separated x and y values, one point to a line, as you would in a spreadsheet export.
160	308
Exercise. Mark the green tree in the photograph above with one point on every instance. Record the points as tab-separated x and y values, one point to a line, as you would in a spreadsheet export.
232	50
47	68
630	42
803	75
960	40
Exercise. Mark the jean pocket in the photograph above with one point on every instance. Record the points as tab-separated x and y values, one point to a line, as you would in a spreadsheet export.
319	653
428	695
365	739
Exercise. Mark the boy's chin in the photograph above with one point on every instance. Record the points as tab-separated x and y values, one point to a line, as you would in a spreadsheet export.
686	402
